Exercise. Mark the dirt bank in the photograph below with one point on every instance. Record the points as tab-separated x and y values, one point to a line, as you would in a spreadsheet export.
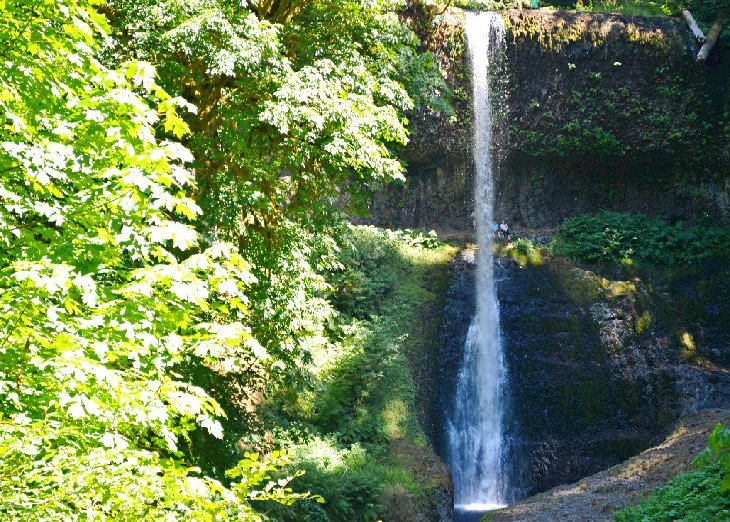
595	498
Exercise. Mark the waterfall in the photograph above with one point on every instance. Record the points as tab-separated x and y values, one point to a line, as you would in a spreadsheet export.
475	427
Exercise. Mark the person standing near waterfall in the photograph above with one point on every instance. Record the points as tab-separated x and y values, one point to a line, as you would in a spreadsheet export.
495	230
504	230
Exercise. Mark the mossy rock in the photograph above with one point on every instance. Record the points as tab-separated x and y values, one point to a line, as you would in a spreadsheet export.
581	286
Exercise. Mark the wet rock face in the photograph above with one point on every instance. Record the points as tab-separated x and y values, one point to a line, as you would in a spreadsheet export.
459	311
602	112
439	197
573	410
597	368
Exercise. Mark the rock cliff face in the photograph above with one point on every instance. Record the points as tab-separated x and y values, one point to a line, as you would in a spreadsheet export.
599	366
597	497
603	111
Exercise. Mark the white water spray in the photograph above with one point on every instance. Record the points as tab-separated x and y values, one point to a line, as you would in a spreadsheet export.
475	430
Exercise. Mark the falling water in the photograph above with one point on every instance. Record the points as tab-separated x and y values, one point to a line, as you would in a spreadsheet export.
475	429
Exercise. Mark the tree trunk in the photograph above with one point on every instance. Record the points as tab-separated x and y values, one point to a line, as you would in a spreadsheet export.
694	27
712	37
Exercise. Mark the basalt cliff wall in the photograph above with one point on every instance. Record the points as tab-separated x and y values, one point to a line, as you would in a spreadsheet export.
601	361
601	111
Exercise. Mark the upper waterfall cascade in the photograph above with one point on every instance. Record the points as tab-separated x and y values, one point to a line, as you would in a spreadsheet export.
475	432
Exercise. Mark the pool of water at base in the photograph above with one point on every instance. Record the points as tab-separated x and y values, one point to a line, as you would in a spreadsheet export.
474	512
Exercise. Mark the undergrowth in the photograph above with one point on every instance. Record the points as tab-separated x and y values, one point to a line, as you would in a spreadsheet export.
628	238
702	494
691	496
362	393
523	250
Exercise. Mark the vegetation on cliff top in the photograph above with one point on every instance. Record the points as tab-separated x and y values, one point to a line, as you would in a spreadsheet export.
627	238
705	11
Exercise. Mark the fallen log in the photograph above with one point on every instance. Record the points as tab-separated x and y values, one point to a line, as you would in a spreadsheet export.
694	27
712	37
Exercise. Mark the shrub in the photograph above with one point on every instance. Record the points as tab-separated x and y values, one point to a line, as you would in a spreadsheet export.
717	451
698	495
690	496
351	486
362	393
371	262
610	236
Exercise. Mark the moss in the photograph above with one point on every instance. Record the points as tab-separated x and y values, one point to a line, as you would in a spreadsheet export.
689	349
661	41
581	286
552	36
617	288
644	322
553	33
524	251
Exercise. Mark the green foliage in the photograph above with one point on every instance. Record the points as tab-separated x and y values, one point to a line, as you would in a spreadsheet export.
697	495
628	7
376	316
488	5
352	482
691	496
129	258
718	452
642	7
362	392
583	141
106	290
301	107
610	236
704	11
371	262
605	113
524	251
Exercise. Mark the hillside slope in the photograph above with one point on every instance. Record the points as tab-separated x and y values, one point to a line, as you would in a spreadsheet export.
595	498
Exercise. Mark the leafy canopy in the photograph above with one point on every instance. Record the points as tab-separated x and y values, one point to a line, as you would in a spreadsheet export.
301	109
105	288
